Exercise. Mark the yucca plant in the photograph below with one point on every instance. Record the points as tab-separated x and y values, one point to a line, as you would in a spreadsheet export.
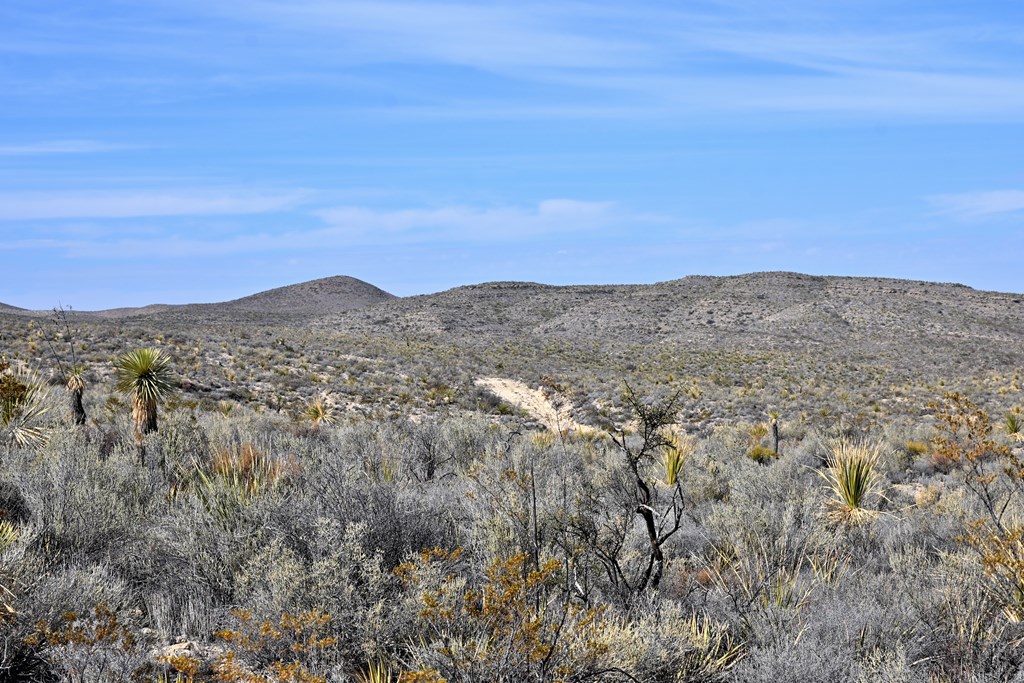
73	374
75	384
674	454
853	480
145	376
1013	423
773	421
376	672
321	411
23	403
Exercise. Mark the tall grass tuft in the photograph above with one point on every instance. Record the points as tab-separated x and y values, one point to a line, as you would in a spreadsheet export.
8	534
376	672
853	480
233	478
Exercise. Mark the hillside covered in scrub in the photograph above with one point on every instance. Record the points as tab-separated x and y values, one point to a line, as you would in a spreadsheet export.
769	477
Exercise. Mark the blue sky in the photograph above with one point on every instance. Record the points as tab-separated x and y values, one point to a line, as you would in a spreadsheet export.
176	150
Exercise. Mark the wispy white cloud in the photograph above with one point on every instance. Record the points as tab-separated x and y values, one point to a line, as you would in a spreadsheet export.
348	226
490	36
974	205
652	61
550	217
604	60
134	204
59	147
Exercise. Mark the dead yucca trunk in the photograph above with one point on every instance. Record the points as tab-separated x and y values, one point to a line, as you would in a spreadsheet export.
76	387
145	375
144	417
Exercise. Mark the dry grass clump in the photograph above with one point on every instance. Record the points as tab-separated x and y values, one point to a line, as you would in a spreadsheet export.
244	469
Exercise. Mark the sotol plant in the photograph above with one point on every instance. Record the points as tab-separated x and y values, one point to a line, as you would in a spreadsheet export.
677	449
853	480
145	376
321	411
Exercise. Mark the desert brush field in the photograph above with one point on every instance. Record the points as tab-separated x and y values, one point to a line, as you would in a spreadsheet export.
769	477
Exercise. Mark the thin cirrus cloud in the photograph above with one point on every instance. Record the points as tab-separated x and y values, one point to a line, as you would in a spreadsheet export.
23	206
590	58
350	226
475	224
975	205
47	147
652	61
478	35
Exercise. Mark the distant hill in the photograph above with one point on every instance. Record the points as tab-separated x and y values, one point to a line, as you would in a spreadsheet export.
4	308
861	317
746	341
754	312
312	299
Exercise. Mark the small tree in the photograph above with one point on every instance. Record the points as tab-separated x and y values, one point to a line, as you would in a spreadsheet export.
145	376
652	421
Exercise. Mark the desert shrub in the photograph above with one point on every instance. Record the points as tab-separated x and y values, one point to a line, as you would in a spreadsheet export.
288	647
512	623
85	509
970	637
761	454
91	646
13	506
181	441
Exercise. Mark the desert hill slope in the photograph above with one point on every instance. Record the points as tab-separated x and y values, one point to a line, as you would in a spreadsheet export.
758	311
311	299
743	341
4	308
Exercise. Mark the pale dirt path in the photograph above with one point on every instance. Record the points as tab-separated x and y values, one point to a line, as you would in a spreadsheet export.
533	401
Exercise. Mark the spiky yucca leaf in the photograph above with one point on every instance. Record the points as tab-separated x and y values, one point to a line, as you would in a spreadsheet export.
713	650
1013	423
76	379
321	411
8	533
678	448
144	374
23	403
853	480
376	672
